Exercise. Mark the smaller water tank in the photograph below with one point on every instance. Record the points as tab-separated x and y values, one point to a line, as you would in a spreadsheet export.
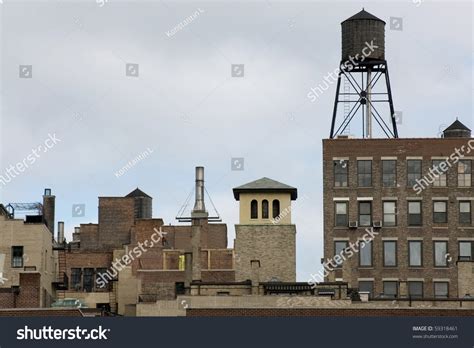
358	32
457	130
143	204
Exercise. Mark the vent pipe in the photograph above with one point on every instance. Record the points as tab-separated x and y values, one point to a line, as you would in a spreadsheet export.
60	232
199	206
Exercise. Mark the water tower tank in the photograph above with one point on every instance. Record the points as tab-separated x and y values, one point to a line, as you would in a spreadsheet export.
143	204
457	130
360	30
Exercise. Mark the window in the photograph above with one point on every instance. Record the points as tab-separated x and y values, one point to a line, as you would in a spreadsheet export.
264	209
254	209
415	289
440	212
275	208
390	288
367	286
440	252
98	273
464	173
413	172
441	289
465	212
466	250
365	213
415	253
364	173
341	214
88	279
340	173
389	253
414	214
182	262
76	278
339	247
389	213
365	254
389	173
17	256
439	179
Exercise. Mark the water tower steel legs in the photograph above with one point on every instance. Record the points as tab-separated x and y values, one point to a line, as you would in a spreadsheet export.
373	71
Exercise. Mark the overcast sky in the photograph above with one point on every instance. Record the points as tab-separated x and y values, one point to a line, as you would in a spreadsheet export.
187	109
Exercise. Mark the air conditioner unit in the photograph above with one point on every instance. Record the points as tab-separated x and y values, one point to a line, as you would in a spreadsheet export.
377	224
353	224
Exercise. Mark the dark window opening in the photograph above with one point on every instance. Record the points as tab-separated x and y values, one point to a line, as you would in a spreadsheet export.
17	256
264	209
88	279
275	208
254	209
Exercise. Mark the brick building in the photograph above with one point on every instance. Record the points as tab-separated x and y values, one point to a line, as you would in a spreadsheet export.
417	195
27	263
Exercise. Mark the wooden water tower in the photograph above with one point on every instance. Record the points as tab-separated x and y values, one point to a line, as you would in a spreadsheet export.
362	71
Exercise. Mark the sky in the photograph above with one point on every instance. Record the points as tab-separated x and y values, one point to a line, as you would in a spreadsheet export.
64	78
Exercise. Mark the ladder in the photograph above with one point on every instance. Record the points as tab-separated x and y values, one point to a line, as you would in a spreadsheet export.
347	104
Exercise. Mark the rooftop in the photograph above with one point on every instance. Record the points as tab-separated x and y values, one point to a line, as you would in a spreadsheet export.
265	185
137	193
457	125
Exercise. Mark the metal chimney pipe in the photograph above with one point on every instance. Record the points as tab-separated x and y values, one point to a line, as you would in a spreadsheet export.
60	232
199	202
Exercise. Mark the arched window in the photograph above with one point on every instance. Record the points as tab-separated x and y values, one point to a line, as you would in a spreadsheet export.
254	209
275	208
264	209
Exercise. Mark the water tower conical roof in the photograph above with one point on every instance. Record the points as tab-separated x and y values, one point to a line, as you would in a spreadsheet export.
363	15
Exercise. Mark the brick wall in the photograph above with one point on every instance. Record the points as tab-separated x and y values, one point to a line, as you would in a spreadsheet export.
29	295
90	237
327	312
273	245
116	217
400	148
86	259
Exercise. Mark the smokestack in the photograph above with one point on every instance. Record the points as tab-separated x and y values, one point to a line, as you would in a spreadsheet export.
199	206
199	217
48	209
60	232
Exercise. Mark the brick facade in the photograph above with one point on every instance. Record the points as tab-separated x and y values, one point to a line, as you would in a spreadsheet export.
273	245
453	231
29	295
